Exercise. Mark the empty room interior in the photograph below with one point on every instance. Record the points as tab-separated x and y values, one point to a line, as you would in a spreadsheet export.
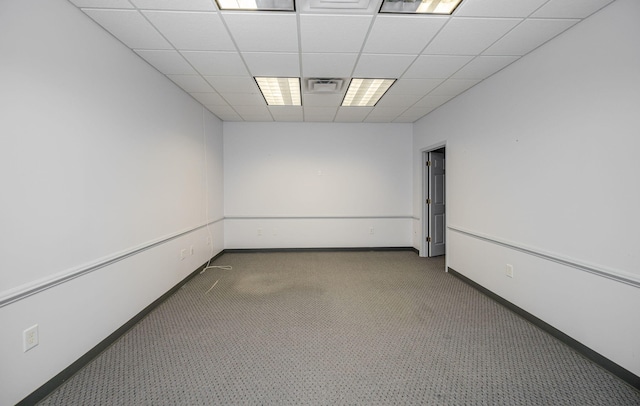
143	140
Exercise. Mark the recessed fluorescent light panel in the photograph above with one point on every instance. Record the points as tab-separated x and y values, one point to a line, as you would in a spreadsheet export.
366	92
259	5
280	91
419	6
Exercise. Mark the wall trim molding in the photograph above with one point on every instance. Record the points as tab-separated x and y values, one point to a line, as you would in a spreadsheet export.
617	370
616	275
21	292
239	217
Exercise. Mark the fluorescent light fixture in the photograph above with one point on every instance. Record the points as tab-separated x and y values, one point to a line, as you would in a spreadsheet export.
280	91
366	92
261	5
419	6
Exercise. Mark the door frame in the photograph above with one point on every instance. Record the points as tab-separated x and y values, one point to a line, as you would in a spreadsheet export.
424	154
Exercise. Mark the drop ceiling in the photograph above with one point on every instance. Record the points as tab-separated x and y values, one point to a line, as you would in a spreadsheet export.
214	55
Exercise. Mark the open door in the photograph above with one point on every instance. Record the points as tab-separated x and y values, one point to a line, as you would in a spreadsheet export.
435	203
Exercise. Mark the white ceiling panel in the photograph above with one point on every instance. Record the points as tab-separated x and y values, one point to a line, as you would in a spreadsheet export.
529	35
239	84
130	27
402	34
191	83
312	113
382	66
182	5
570	8
498	8
469	36
436	66
244	99
328	65
399	100
199	31
255	32
167	62
322	100
216	63
484	66
273	64
413	86
352	114
453	87
102	3
214	55
333	33
209	99
286	113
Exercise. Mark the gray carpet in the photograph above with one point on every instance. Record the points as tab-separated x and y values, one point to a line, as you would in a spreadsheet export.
343	328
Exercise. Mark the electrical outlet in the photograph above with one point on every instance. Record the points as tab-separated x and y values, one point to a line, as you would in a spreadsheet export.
259	232
191	250
372	230
509	270
183	254
30	338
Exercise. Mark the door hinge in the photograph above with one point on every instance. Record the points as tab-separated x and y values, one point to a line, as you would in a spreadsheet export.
428	163
428	239
428	201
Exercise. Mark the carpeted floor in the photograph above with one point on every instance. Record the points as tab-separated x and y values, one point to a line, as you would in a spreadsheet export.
337	328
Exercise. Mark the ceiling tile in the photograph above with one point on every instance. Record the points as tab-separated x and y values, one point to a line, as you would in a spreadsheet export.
402	34
228	84
286	113
570	8
498	8
413	86
352	114
183	5
312	113
216	63
399	100
273	64
102	3
328	65
199	31
484	66
244	99
415	113
387	112
435	66
432	101
130	27
469	36
382	66
322	100
167	62
252	110
529	35
273	32
334	33
209	99
191	83
226	113
453	87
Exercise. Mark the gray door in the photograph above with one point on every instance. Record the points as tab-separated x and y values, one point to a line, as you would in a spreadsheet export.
436	204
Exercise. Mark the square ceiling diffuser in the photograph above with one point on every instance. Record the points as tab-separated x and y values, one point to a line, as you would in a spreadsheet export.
257	5
366	92
419	6
280	91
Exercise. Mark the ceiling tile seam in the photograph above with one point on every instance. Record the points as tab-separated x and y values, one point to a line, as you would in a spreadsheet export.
427	45
300	66
246	66
355	65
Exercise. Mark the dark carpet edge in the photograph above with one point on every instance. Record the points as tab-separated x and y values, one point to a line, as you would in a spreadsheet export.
600	360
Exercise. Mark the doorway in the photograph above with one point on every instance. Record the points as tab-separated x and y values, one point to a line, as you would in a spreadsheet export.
434	203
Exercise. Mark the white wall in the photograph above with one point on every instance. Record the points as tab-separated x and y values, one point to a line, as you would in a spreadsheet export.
317	185
543	157
100	155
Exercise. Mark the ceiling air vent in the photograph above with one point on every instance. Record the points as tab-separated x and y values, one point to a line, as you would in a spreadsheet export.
324	86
